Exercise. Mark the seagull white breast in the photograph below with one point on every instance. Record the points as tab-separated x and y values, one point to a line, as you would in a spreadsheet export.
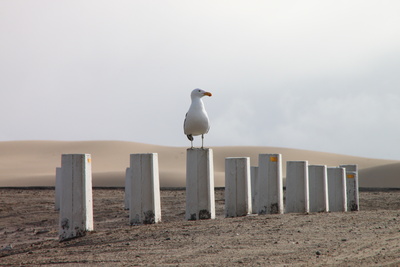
196	121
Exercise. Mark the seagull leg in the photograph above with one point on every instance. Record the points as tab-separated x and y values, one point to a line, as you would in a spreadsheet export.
190	137
202	141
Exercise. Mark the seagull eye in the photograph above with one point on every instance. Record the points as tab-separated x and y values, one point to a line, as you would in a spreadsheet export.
199	91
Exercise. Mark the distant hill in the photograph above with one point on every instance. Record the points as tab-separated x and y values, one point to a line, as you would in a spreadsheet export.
33	163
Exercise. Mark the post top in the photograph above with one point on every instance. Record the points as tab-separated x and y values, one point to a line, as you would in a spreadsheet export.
317	165
237	158
199	149
297	161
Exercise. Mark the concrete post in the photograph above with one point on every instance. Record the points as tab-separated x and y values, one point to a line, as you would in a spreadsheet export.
76	206
318	187
254	188
352	187
58	188
200	199
337	189
145	204
352	191
270	186
127	187
237	187
297	194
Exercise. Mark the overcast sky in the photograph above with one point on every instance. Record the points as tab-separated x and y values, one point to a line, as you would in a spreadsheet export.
317	75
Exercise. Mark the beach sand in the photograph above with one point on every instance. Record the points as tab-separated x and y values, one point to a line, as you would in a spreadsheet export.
29	234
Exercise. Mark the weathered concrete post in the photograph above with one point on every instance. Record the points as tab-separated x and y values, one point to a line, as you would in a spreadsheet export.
76	206
318	186
200	199
297	194
128	180
58	188
352	187
270	185
237	187
145	204
254	188
337	189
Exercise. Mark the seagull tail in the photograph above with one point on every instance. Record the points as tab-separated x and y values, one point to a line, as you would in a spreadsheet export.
190	137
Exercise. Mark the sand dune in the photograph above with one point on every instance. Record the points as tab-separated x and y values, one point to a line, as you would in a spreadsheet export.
33	163
381	175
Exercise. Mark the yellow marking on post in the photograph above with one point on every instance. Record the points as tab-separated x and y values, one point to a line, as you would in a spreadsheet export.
89	160
350	176
273	159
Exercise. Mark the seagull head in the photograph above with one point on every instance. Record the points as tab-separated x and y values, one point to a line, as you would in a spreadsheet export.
199	93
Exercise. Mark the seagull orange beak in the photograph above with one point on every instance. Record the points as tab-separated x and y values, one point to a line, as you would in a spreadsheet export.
208	93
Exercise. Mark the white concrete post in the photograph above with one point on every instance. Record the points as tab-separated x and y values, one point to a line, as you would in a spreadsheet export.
200	199
237	187
337	189
270	185
318	187
76	206
352	187
254	188
144	204
58	188
297	194
127	187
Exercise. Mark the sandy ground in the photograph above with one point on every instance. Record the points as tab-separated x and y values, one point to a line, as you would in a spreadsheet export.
29	234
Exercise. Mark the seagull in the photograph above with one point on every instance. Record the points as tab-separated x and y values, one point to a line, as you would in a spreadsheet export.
196	120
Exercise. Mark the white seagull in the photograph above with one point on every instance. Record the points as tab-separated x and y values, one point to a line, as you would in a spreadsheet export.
196	120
